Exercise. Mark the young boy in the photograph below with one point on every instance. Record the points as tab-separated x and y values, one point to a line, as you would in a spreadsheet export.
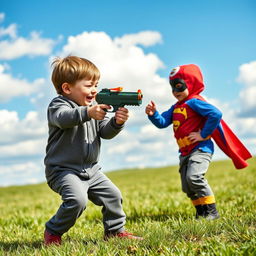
194	123
76	124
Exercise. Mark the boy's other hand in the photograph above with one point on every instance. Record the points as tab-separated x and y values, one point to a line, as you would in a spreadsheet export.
195	136
97	112
121	115
150	108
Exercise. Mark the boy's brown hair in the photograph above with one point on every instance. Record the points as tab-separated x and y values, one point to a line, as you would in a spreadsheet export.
72	69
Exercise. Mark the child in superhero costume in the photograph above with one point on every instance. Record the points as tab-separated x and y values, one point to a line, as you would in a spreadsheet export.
195	122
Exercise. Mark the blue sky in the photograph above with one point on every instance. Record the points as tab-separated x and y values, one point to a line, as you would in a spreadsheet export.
134	43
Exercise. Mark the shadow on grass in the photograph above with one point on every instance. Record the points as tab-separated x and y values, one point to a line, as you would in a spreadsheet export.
39	244
15	245
144	216
158	217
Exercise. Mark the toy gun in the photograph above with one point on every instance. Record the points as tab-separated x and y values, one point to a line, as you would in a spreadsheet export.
116	98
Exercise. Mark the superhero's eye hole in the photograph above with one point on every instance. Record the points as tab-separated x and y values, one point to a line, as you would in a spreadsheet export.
178	85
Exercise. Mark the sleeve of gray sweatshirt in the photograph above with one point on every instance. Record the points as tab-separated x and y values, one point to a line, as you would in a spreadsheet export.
109	128
64	114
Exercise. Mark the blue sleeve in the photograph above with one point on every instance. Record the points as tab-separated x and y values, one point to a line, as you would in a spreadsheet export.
207	110
162	120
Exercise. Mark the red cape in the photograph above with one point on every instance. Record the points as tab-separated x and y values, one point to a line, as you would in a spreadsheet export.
222	135
229	143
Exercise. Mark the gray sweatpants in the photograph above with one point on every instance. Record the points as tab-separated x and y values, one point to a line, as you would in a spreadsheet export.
192	171
75	192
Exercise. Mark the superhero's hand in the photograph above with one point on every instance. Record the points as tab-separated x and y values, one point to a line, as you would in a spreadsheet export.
195	136
150	108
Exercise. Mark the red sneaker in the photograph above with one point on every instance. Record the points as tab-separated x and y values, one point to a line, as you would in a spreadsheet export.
50	239
123	234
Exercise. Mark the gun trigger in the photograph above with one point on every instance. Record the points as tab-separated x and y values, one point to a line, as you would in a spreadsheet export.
111	110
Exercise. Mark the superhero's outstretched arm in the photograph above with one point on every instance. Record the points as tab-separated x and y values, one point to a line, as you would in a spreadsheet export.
162	120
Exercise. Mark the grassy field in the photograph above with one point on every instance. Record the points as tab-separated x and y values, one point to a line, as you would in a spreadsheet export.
156	209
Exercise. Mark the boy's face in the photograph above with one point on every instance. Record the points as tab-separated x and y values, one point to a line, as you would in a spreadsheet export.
180	96
83	92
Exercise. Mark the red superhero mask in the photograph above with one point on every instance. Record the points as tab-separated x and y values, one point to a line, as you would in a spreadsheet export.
191	75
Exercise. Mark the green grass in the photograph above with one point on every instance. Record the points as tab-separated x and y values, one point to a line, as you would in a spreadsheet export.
156	209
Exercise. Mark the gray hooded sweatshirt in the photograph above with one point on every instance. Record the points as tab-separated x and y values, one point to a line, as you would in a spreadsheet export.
74	138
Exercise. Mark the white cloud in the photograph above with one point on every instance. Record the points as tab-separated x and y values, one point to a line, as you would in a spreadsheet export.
15	131
145	38
9	31
247	96
2	16
20	46
29	172
22	147
25	149
12	87
116	62
246	127
14	47
247	74
123	63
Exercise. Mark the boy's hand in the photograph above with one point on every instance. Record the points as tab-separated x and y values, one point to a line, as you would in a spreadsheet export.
121	115
97	112
195	136
150	108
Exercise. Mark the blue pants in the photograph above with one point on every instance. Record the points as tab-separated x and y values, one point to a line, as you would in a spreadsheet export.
75	192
